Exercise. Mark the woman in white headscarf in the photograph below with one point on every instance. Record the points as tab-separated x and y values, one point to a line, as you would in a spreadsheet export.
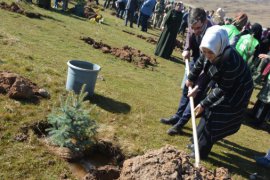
223	108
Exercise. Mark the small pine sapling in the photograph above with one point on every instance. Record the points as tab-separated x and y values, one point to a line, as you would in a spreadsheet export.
71	124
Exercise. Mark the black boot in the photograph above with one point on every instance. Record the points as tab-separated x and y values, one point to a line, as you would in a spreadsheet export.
176	129
170	121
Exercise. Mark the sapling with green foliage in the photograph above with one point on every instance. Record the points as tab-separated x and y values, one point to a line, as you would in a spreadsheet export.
71	124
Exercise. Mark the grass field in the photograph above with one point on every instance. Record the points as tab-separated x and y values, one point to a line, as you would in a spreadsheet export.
128	103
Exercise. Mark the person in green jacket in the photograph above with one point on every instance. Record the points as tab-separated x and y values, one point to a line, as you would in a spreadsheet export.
236	27
247	44
167	38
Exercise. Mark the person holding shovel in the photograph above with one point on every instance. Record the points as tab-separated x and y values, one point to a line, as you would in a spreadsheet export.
198	23
223	108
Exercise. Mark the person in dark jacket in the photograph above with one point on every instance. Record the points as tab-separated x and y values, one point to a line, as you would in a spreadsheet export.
121	6
223	108
198	25
131	7
166	42
184	23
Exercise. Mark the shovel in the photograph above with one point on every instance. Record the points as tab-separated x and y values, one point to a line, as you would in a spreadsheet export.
194	128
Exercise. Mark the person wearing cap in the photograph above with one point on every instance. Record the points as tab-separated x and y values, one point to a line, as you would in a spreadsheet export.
222	110
198	23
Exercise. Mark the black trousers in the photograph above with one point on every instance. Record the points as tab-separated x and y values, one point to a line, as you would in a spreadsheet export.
204	139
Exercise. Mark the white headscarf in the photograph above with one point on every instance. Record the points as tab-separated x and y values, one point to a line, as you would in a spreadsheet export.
216	39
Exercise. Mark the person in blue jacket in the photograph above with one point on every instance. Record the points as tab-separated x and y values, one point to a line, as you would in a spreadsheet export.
146	11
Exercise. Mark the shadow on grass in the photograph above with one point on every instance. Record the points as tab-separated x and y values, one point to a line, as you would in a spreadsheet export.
153	34
109	104
177	60
238	164
51	18
250	121
185	133
34	100
68	13
2	62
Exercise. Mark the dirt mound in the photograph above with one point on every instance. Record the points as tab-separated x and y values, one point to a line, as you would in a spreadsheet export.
13	7
104	172
126	53
151	40
148	39
167	163
18	87
141	37
128	32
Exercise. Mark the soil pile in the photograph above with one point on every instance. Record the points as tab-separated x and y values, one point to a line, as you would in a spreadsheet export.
148	39
13	7
125	53
131	33
108	172
18	87
151	40
167	163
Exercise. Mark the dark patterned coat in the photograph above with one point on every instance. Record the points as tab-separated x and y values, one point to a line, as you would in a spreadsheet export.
226	103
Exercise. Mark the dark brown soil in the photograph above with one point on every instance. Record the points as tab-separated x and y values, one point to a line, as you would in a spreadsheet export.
13	7
39	128
125	53
148	39
167	163
131	33
18	87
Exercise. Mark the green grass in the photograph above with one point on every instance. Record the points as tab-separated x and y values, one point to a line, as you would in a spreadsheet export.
129	103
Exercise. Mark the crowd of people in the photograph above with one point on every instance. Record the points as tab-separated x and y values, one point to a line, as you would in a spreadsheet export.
227	58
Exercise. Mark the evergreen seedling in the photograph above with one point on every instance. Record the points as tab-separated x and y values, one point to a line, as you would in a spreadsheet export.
71	125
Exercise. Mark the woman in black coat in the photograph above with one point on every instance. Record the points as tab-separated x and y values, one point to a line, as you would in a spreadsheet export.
223	108
167	39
